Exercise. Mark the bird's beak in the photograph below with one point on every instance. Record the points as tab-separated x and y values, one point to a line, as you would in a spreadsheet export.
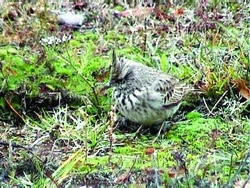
107	86
110	84
104	88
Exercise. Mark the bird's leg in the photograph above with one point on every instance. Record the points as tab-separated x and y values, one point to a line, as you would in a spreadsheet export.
138	130
166	125
121	122
163	128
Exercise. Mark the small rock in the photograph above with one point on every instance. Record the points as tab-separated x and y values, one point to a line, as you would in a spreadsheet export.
70	18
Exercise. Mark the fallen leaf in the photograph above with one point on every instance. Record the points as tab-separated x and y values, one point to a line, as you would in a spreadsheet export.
101	74
161	15
152	171
102	91
176	172
137	12
121	178
80	5
215	134
150	151
243	89
178	12
101	50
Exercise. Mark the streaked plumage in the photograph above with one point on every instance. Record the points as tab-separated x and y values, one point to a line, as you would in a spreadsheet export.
143	94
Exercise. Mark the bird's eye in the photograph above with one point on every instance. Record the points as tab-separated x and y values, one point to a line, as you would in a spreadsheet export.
118	80
129	74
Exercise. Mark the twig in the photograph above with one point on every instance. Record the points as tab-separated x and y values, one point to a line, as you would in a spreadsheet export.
39	140
137	131
159	132
130	170
206	105
110	131
218	102
145	38
13	109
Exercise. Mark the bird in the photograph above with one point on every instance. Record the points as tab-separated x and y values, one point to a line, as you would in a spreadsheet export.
142	94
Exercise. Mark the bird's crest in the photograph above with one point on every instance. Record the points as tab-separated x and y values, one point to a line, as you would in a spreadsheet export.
120	69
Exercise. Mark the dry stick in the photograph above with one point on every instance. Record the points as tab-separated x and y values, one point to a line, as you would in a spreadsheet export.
137	131
145	38
110	131
159	132
39	141
13	109
206	105
130	170
217	102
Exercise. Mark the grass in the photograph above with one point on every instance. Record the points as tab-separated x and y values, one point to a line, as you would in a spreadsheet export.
58	129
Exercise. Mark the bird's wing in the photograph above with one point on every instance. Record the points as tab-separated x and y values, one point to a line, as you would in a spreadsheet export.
168	91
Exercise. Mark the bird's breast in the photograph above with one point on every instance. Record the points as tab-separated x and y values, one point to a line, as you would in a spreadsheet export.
136	107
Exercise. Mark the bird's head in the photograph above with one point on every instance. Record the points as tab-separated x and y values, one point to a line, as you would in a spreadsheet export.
120	71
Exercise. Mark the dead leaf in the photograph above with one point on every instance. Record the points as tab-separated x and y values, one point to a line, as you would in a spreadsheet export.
178	12
162	16
101	50
152	171
79	5
176	172
122	178
101	74
141	12
215	134
150	151
243	89
203	86
102	91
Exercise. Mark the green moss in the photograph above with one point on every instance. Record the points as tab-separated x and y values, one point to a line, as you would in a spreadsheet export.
193	115
209	146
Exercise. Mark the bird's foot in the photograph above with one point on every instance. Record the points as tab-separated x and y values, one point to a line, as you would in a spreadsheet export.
164	127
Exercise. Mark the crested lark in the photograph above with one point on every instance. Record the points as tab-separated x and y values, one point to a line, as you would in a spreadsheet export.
144	95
